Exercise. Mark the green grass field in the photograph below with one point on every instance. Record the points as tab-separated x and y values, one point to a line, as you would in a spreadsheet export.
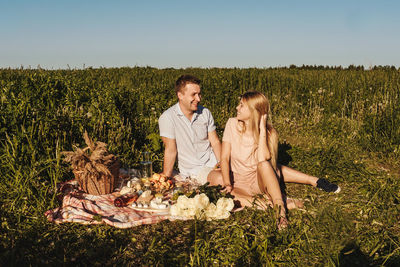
342	124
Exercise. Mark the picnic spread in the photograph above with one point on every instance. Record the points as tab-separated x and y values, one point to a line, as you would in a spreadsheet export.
102	192
84	208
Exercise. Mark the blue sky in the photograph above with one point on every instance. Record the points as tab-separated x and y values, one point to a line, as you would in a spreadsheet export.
57	34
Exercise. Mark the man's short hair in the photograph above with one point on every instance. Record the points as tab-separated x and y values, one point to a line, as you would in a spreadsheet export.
185	79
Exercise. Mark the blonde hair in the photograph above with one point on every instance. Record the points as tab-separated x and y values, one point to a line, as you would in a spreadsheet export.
259	105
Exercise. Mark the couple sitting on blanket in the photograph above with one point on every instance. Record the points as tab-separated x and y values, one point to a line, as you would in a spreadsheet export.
247	157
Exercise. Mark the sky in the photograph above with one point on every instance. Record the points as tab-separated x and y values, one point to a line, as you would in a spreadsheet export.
180	34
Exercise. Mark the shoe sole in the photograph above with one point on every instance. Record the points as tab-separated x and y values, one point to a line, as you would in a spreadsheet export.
337	190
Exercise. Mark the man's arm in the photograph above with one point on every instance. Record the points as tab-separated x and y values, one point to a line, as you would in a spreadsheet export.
169	155
215	144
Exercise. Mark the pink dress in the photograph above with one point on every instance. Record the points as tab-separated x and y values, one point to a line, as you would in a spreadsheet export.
243	158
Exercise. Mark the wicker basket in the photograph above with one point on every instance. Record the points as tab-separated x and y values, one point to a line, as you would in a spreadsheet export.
98	183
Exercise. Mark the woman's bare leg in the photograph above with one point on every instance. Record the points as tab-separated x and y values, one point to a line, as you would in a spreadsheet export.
290	175
268	181
245	200
215	178
292	203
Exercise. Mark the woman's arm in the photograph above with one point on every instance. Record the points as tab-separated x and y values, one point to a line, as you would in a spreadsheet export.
263	153
225	157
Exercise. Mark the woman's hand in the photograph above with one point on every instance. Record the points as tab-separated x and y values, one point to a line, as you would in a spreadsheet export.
217	166
263	122
263	152
227	188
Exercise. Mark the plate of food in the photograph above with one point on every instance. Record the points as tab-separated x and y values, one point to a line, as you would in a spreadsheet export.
151	203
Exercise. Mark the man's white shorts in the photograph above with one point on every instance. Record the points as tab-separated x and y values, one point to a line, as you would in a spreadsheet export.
200	178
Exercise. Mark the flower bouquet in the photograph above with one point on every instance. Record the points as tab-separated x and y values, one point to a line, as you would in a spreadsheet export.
204	203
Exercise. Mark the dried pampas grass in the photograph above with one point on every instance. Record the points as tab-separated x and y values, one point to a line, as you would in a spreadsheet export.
94	167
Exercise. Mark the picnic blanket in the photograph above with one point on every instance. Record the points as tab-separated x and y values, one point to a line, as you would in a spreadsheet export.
89	209
84	208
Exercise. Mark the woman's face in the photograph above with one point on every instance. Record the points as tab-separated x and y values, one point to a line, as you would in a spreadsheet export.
243	111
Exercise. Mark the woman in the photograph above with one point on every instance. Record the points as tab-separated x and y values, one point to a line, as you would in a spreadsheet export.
249	153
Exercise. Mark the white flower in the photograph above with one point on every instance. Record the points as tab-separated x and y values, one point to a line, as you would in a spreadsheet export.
190	204
225	204
184	213
201	201
200	214
200	207
182	202
191	211
210	211
222	214
182	198
174	210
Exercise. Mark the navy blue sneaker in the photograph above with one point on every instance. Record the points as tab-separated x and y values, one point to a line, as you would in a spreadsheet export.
327	186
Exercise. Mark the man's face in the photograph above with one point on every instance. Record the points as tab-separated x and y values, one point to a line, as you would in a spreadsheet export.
189	97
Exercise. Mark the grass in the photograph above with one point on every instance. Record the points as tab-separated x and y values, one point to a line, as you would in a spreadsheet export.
352	142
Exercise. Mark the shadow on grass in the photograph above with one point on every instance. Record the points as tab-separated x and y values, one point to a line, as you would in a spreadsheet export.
283	157
351	255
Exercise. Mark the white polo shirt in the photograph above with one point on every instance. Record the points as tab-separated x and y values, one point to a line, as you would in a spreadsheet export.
194	148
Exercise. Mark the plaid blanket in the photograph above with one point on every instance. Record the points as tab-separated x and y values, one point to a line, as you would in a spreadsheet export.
90	209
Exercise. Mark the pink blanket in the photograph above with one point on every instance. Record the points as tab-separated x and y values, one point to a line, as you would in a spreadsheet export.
90	209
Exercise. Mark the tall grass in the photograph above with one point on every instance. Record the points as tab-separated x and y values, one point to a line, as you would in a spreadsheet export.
343	124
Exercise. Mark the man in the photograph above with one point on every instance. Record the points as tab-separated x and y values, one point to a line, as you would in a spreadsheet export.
187	130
